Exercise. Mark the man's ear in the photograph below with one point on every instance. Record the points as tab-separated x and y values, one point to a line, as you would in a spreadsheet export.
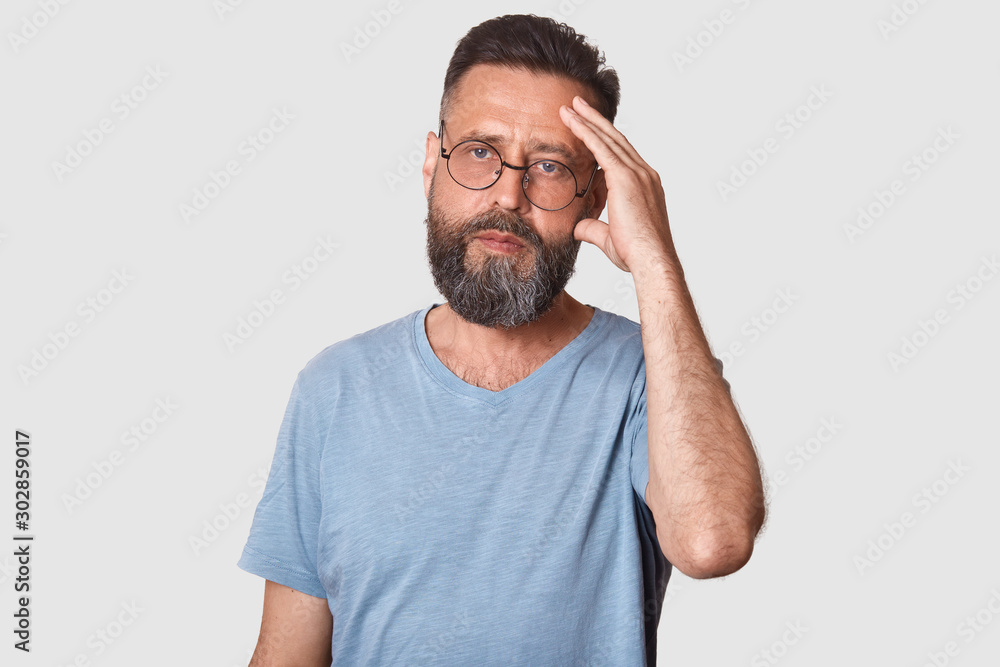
598	195
430	162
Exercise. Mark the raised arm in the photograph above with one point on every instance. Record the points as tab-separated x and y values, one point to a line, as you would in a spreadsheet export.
705	489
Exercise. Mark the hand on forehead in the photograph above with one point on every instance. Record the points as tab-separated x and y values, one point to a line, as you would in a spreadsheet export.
516	108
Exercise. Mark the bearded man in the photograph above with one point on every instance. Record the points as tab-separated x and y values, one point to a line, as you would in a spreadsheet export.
510	476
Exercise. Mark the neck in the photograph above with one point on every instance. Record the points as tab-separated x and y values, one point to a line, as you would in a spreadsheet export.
451	335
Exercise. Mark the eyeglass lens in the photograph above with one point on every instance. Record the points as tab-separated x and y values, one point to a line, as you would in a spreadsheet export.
547	184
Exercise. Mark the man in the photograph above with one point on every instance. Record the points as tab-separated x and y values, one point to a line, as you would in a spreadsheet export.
507	478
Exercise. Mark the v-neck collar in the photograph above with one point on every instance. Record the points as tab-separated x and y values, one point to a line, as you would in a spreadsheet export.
453	383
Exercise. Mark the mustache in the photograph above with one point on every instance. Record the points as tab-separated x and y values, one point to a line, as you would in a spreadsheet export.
504	222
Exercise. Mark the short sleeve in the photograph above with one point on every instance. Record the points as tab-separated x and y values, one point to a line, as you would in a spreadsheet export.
284	536
636	425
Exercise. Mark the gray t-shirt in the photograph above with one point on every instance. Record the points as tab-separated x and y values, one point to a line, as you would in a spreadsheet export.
447	524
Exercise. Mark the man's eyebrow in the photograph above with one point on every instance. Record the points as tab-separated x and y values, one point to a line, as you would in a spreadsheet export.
534	147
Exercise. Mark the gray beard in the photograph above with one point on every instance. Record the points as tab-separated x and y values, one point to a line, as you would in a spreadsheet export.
504	292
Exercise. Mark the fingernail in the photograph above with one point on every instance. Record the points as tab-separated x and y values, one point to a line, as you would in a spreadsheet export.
583	101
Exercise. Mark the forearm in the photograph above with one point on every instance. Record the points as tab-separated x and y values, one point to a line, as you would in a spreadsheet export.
705	489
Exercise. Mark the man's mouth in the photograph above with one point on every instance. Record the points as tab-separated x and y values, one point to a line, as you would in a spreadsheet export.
500	242
501	238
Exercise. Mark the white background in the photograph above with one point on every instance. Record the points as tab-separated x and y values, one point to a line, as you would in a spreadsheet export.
854	297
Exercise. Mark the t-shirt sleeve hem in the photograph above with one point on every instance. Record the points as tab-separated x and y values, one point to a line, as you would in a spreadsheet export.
640	476
254	562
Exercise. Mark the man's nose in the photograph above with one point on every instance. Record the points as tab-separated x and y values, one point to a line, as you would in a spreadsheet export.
508	193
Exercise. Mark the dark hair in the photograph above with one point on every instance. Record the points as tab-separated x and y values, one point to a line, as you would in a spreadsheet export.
537	44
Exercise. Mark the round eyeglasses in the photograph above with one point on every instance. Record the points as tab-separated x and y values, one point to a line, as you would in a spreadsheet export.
547	184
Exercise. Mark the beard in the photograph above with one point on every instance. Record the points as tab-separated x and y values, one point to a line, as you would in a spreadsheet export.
492	289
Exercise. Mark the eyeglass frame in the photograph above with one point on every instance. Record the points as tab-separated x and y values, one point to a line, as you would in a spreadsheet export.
503	163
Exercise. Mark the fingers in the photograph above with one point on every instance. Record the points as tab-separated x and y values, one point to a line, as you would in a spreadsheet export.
607	129
607	151
598	233
591	230
608	145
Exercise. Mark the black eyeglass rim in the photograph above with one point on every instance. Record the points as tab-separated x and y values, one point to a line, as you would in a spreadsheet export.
503	163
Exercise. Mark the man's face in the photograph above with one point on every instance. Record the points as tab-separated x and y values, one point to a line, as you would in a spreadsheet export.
497	285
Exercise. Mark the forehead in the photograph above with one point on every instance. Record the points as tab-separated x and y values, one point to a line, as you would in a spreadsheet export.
515	104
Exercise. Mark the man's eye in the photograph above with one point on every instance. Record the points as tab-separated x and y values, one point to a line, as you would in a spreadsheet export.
481	153
549	167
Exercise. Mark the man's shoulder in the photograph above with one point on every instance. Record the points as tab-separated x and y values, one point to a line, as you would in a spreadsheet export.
620	332
626	336
620	324
365	351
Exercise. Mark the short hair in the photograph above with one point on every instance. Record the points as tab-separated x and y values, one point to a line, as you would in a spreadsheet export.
537	44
